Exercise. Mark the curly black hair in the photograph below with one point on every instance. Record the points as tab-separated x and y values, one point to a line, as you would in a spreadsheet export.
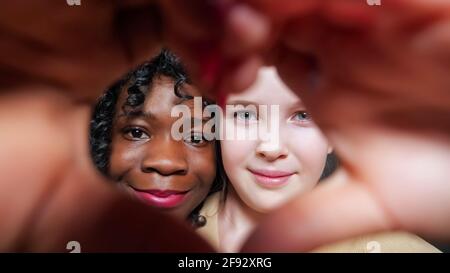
138	82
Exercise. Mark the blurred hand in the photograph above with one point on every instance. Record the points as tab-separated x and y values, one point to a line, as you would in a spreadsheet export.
55	60
83	49
376	81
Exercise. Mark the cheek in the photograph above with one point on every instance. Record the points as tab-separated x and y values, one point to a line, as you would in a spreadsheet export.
237	146
235	154
310	148
123	158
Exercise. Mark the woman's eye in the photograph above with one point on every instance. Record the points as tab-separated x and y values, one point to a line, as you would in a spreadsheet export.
245	115
136	134
195	139
301	116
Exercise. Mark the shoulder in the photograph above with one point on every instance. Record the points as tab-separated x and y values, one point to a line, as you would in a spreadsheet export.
387	242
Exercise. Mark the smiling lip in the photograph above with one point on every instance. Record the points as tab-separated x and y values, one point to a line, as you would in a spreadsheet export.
161	198
271	179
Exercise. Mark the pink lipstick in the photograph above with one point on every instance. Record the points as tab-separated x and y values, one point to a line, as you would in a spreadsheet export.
271	179
161	198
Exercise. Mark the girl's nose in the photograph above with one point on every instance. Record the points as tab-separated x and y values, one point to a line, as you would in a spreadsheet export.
271	151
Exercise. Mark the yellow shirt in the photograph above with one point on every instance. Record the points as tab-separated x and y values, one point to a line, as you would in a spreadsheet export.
387	242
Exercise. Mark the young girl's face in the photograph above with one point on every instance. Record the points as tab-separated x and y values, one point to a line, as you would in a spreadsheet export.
172	175
267	173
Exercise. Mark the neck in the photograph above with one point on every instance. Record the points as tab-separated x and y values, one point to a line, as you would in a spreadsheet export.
236	222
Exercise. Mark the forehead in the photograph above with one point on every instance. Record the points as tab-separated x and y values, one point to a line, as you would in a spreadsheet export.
268	89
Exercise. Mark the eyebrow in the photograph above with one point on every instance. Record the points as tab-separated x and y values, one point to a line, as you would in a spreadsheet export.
242	102
137	114
148	115
200	121
246	103
298	106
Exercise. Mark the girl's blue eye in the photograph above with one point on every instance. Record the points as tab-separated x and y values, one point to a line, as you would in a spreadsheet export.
135	134
302	116
245	115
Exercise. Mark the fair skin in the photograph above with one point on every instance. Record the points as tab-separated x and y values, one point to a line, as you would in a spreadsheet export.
264	174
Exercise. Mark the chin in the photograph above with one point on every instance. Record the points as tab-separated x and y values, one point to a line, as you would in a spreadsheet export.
277	199
177	213
265	208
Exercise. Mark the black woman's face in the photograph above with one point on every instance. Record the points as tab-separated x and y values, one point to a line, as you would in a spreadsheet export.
172	175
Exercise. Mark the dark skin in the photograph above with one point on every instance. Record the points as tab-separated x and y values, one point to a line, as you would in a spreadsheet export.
146	157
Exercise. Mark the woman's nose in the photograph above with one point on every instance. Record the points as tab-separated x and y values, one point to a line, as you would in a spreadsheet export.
271	150
166	157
